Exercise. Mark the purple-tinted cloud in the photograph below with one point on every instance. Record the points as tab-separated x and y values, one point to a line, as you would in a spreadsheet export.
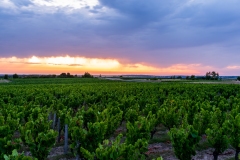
161	33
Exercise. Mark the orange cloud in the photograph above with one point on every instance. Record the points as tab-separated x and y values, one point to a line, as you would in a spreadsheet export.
79	65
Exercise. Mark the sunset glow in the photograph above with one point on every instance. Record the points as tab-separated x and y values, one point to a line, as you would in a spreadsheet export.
79	65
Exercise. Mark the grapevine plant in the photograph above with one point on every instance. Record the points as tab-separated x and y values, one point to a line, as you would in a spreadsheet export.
37	135
7	128
184	141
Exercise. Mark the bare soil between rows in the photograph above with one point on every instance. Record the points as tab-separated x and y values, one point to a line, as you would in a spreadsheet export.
154	150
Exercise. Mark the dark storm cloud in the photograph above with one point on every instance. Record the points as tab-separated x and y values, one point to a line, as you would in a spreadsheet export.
180	24
153	31
42	34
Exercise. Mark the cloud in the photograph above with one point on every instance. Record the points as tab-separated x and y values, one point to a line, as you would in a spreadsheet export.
76	65
48	4
95	65
65	60
233	67
160	33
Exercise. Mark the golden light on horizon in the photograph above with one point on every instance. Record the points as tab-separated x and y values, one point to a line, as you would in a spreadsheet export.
34	59
79	65
46	65
83	62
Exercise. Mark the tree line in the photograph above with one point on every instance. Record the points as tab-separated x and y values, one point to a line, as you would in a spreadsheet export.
208	76
62	75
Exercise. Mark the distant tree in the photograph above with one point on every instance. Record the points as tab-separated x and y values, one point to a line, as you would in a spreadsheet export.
215	75
179	77
48	76
212	75
68	75
63	75
100	75
187	77
15	76
172	77
192	77
5	76
208	75
238	78
87	75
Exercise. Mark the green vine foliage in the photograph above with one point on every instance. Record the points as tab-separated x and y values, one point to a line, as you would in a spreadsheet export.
64	115
89	116
116	150
136	150
94	110
131	115
86	154
16	156
159	158
184	140
170	113
138	130
112	152
217	133
233	123
113	118
201	121
94	135
38	136
87	138
77	132
7	128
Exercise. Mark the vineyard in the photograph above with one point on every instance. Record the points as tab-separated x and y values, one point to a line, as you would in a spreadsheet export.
115	120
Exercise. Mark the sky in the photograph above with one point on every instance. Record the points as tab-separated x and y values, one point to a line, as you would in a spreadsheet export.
153	37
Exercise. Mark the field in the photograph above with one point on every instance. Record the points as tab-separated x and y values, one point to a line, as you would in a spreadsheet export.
118	119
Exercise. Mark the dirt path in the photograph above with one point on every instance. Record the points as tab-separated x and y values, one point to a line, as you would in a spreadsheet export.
4	81
217	82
